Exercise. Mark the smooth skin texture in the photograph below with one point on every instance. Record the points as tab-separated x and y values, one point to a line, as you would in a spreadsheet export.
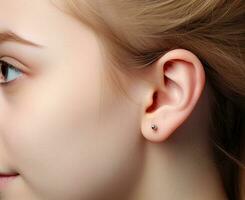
70	135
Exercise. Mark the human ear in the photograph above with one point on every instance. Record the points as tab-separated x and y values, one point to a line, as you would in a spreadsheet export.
177	81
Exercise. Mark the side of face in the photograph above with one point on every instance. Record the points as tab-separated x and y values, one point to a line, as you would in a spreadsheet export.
61	126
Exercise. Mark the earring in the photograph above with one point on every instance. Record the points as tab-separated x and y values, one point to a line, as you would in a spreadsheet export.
154	127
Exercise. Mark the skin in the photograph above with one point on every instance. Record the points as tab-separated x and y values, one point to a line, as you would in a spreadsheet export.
70	135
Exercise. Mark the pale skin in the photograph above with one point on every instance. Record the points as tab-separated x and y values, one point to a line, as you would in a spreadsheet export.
51	133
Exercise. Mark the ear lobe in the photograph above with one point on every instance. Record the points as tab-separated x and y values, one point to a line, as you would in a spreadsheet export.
178	89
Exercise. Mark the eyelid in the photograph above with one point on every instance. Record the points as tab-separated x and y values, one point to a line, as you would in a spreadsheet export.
16	63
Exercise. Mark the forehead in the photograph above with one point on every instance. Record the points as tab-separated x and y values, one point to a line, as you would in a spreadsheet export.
25	16
37	20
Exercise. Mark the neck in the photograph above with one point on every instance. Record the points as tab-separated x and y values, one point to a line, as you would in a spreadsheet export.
171	175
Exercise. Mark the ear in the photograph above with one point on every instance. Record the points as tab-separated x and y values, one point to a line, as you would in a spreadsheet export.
177	81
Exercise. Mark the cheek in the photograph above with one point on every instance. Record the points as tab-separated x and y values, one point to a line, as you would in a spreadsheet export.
59	146
48	130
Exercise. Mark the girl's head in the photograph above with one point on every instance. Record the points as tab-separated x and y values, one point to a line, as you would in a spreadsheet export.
76	113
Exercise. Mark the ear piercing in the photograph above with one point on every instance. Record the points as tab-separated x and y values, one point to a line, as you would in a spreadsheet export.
154	127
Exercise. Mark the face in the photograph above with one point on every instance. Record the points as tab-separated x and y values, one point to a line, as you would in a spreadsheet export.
62	127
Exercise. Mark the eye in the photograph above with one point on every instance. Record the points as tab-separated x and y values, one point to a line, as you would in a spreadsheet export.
8	73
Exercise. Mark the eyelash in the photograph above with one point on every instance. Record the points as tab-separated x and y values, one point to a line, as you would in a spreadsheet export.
10	66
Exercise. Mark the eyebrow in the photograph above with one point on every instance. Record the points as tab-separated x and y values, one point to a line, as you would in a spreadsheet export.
11	36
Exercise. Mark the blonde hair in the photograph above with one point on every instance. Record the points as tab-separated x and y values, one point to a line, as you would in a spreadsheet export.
135	33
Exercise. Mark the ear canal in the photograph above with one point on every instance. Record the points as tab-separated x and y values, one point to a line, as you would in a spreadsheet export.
154	105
